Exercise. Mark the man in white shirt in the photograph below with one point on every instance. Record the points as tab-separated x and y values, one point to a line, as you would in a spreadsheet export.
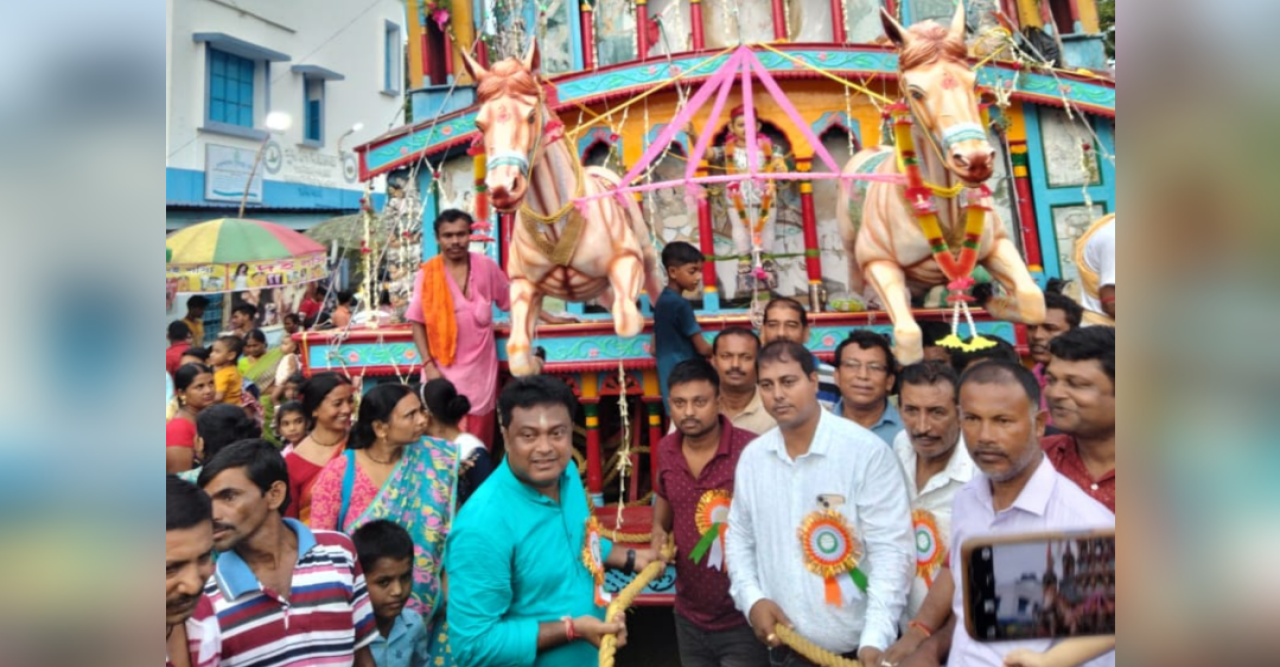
937	463
1096	263
1018	491
820	523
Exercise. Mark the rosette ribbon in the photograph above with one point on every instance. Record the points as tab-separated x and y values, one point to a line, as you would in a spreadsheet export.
930	550
832	551
712	520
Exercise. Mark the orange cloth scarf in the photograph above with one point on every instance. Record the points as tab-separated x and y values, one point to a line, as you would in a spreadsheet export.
437	313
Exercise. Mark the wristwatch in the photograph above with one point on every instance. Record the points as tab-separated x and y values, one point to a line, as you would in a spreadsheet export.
630	567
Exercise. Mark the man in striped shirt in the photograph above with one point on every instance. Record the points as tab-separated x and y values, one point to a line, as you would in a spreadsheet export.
285	596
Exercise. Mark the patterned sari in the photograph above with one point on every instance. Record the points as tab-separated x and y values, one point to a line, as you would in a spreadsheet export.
419	496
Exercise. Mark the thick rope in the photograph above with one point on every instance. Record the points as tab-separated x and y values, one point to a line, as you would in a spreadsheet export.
623	600
812	652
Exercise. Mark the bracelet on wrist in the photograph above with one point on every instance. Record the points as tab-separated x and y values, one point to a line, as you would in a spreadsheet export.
569	631
928	632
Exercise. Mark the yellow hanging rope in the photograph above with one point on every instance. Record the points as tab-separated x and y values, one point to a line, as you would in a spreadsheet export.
812	652
623	600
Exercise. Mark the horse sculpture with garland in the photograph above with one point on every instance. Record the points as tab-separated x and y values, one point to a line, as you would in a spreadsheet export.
601	249
900	241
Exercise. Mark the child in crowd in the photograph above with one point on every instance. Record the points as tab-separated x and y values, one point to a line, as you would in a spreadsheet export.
446	409
677	334
195	355
218	427
288	367
291	425
179	342
342	314
289	390
385	551
226	376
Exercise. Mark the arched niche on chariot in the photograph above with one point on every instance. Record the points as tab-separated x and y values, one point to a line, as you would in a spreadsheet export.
842	137
668	210
600	147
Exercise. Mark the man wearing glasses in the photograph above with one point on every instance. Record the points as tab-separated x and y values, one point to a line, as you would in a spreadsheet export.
865	374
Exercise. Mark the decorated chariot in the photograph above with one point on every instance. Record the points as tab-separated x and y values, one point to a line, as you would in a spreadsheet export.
869	163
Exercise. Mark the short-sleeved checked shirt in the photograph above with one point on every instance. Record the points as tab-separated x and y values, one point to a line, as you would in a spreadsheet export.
702	593
327	618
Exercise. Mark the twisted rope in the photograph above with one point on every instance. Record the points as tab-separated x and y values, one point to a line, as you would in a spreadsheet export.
812	652
623	600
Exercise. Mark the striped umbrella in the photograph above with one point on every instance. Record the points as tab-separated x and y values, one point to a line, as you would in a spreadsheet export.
234	255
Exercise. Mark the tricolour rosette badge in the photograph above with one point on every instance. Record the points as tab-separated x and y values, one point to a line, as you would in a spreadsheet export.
832	551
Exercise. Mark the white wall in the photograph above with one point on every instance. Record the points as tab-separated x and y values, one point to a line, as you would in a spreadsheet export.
340	35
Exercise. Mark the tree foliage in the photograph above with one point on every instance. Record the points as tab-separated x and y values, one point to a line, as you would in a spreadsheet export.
1107	15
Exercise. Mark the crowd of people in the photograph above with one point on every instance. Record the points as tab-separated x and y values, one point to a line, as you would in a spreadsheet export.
330	528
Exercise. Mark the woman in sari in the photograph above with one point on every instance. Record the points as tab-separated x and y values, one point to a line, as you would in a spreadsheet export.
258	364
327	401
390	471
194	391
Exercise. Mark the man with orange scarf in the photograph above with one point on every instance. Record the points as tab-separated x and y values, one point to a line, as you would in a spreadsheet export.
456	291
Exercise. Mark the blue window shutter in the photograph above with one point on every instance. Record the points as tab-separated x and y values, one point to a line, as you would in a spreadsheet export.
231	89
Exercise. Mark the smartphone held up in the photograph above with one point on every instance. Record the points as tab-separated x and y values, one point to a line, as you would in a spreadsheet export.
1040	586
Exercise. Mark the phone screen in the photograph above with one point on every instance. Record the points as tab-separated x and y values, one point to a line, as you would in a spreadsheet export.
1042	588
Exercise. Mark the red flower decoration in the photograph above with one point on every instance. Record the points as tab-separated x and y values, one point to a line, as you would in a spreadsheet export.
613	138
410	354
828	341
354	357
594	353
404	150
447	131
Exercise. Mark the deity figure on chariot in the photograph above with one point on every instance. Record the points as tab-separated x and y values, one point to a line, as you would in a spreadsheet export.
752	204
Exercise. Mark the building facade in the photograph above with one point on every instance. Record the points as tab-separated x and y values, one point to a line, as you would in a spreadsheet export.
333	66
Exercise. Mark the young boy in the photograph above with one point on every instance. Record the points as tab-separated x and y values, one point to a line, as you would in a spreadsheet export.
226	376
194	320
385	551
677	335
179	342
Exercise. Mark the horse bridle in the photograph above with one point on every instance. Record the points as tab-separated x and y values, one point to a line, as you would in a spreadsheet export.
950	136
523	162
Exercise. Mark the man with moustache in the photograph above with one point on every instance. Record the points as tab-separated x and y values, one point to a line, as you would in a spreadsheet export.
734	357
1061	314
192	638
933	454
525	558
693	491
1082	396
817	481
285	596
456	292
1018	491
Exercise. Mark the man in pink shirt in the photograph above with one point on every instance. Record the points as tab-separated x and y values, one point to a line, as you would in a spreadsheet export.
463	351
476	284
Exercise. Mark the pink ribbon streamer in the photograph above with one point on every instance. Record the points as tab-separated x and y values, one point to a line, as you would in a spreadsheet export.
787	108
704	141
891	179
684	116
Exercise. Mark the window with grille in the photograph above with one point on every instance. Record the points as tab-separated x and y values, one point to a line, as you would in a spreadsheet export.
231	89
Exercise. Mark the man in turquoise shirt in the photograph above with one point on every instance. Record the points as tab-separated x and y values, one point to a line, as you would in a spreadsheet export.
520	591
